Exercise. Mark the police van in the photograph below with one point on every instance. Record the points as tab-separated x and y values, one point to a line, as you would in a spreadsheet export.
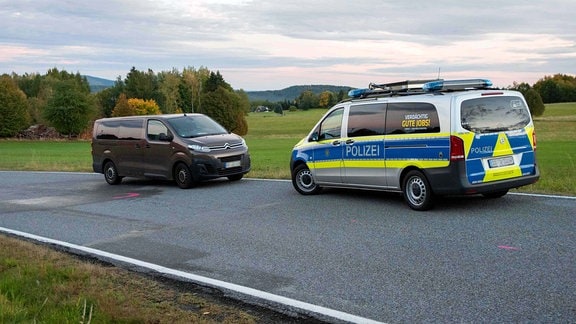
423	138
186	148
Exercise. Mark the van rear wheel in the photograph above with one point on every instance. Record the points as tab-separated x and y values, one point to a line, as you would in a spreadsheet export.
111	173
303	181
417	191
183	176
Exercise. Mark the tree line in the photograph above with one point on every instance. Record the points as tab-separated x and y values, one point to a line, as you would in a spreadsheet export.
63	100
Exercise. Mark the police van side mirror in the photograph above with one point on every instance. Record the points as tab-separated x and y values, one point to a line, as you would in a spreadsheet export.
313	137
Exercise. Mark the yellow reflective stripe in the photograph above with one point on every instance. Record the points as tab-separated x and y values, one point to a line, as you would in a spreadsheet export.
502	173
326	164
502	146
421	164
364	163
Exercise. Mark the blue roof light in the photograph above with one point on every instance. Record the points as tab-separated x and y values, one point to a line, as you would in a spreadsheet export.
355	93
456	84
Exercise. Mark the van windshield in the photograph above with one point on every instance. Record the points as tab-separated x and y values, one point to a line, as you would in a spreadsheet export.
494	114
196	126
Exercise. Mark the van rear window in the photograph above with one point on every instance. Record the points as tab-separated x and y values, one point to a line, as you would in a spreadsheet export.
494	114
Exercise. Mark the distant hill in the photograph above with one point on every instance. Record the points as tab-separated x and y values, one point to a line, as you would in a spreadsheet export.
290	93
293	92
98	84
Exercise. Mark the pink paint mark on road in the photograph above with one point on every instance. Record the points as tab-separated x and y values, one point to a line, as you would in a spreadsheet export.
508	248
127	195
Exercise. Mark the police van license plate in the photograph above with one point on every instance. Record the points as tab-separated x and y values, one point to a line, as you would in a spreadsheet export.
232	164
501	162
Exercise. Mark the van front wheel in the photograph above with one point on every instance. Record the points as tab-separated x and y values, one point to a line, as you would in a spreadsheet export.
183	176
417	191
111	173
303	181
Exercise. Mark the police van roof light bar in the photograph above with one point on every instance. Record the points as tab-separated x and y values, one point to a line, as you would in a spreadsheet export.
409	87
446	85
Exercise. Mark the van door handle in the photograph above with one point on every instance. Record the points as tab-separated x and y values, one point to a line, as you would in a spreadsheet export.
336	143
349	141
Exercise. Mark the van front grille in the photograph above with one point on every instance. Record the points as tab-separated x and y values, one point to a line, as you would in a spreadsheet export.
230	158
229	171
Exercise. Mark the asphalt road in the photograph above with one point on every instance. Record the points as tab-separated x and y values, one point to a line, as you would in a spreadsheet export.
367	254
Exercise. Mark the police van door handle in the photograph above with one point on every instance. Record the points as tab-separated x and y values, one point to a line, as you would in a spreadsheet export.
349	141
336	143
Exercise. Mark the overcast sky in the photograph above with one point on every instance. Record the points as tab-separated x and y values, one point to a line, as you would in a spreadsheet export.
273	44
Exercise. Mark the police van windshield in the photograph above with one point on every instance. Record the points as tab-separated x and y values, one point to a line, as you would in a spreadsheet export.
196	126
494	114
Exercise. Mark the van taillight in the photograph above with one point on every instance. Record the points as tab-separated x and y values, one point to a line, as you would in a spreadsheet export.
534	140
456	148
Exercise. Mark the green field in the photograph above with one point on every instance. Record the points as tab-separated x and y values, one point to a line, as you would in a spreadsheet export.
271	137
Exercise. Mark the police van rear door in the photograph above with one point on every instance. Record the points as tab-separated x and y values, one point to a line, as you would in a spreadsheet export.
498	136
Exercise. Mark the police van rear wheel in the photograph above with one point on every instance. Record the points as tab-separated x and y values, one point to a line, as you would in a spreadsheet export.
303	181
417	191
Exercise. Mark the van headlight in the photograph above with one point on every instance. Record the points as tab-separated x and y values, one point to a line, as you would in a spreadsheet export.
199	148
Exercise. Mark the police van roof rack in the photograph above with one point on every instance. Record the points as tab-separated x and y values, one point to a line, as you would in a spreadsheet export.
412	87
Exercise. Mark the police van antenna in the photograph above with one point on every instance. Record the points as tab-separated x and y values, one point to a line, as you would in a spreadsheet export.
438	77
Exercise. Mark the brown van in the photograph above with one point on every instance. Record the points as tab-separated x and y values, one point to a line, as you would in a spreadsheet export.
186	148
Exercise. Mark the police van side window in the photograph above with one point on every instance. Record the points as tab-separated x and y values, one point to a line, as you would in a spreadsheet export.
411	118
154	129
331	126
366	120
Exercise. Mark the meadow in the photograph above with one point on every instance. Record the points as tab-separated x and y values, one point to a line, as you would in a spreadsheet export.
271	137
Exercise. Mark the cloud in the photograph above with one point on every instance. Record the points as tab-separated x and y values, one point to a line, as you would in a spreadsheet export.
259	45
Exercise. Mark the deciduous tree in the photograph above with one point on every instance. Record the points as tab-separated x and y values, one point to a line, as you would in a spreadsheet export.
14	115
71	107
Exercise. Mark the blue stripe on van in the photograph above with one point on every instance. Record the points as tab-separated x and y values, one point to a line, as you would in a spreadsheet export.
437	148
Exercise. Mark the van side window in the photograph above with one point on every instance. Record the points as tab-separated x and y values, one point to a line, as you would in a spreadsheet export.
154	129
331	126
411	118
366	120
120	129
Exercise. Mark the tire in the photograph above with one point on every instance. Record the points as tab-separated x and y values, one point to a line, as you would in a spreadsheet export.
495	194
183	176
236	177
111	173
303	181
417	191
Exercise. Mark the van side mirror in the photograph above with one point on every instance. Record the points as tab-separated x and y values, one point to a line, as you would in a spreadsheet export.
313	137
165	138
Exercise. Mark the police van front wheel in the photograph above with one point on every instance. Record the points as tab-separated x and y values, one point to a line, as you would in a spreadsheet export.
303	181
417	191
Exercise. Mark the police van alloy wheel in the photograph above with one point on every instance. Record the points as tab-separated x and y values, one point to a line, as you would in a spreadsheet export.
303	181
417	191
111	173
183	176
